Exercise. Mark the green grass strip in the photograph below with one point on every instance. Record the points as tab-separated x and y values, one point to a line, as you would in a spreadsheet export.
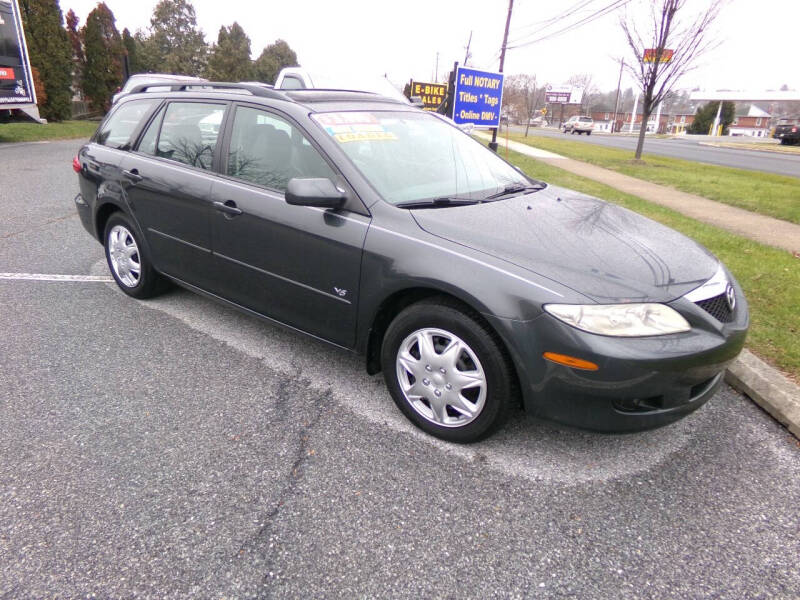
764	193
35	132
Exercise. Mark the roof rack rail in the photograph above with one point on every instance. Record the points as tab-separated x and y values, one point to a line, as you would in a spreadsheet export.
255	90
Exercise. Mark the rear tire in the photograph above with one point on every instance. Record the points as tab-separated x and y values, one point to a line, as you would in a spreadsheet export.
128	261
447	371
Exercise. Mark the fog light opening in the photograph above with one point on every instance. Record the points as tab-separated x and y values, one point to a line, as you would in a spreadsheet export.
571	361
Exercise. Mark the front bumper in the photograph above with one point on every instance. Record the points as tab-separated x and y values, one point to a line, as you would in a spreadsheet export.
641	383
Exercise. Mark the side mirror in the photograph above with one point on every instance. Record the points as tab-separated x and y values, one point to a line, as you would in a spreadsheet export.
314	192
416	101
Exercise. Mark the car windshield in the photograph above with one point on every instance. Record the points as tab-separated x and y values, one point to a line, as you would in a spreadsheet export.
413	156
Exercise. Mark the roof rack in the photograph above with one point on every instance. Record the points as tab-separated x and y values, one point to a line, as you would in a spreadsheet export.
255	90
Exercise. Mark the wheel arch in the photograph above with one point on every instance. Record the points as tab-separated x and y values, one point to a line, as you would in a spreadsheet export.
102	215
396	302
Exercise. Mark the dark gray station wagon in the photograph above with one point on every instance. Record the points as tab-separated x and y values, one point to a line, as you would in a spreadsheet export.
385	230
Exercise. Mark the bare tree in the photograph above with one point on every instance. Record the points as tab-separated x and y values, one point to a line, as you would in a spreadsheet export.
653	67
526	96
590	91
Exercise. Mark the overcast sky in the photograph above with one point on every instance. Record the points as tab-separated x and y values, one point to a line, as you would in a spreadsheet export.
401	39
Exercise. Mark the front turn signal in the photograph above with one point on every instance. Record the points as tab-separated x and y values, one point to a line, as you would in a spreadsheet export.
571	361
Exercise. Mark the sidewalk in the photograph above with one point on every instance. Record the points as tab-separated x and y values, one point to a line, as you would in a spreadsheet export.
766	230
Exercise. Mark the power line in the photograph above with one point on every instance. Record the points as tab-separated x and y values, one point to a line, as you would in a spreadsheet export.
588	19
545	23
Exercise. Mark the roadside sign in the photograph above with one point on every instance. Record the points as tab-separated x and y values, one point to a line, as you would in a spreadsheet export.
563	94
16	83
650	55
432	94
478	97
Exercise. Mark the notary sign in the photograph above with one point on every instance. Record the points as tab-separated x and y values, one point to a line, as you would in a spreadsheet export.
477	97
432	94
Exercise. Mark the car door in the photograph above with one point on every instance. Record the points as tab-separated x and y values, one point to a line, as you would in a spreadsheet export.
170	175
296	264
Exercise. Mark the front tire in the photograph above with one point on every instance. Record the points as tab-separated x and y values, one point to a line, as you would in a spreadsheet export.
447	371
128	260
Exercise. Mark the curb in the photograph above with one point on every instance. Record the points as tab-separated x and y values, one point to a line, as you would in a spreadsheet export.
768	388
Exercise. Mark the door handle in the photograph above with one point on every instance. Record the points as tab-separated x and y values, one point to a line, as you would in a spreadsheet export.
133	175
228	207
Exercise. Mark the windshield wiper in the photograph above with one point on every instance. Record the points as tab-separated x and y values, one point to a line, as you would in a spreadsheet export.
438	202
516	188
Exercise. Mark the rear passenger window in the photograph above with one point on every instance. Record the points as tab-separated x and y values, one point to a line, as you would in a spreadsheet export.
117	130
269	151
189	133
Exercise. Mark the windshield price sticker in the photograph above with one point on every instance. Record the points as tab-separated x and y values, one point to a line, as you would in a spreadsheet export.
478	97
353	127
364	136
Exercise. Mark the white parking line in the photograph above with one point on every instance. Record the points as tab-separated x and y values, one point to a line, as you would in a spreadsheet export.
55	277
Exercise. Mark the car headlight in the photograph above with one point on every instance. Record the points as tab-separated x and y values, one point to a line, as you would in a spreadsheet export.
622	320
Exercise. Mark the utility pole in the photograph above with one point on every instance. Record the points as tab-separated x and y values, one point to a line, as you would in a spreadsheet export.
467	56
616	102
493	143
436	78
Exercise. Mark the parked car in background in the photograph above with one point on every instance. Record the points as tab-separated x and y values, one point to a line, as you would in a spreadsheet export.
154	78
579	124
383	229
299	78
788	131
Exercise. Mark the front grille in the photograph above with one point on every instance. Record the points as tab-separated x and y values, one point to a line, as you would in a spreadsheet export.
718	308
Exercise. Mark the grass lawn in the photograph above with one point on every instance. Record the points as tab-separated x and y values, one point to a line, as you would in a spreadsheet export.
770	277
34	132
773	195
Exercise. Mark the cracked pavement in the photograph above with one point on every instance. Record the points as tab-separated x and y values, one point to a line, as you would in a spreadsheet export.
176	448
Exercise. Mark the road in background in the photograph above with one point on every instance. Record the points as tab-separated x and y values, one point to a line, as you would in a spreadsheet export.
687	148
176	448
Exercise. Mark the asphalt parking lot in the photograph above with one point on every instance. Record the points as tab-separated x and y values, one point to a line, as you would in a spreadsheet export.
177	448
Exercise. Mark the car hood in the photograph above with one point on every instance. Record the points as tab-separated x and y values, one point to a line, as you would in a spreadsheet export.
598	249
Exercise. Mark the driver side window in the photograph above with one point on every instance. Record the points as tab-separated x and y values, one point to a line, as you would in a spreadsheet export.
268	151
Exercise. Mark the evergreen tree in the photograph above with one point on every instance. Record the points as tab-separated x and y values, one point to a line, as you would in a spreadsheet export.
50	53
176	44
147	57
102	74
229	59
274	58
76	42
704	117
